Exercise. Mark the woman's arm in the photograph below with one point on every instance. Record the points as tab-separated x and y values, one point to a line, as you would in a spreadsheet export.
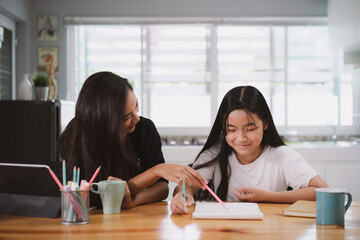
144	188
254	194
171	172
157	192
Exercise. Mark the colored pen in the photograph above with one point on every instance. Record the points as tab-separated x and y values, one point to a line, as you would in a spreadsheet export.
94	176
84	186
184	193
75	202
214	195
64	172
78	176
62	188
74	174
80	197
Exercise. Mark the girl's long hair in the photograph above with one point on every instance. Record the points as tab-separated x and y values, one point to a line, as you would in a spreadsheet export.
246	98
95	136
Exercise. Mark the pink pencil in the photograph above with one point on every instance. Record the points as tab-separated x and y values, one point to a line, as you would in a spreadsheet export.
56	179
214	195
94	176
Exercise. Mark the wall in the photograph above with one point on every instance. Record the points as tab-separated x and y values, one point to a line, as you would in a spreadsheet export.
344	22
15	9
137	8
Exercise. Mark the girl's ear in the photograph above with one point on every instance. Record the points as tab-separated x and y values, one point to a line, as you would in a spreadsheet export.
266	125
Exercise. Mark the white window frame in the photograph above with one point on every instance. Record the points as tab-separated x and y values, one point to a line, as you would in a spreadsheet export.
271	21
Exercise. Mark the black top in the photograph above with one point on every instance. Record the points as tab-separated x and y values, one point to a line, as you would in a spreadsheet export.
146	143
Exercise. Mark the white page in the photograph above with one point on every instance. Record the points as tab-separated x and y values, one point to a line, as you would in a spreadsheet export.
236	210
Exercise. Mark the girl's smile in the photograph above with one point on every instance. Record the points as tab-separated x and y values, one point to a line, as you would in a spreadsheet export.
242	145
244	133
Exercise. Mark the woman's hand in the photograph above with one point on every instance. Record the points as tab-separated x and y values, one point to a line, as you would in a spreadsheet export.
176	173
128	199
252	194
178	203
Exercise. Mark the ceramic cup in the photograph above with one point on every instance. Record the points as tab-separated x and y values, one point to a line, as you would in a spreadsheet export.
111	194
330	205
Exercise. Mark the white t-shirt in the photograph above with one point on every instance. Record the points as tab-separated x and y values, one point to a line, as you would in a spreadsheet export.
275	169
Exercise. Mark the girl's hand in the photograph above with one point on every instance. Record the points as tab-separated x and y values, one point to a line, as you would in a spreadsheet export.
178	203
111	178
128	199
252	194
176	173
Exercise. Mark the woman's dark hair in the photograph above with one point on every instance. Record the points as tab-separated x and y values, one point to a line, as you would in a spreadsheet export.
246	98
95	136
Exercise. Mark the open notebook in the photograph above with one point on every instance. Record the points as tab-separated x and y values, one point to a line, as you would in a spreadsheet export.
236	210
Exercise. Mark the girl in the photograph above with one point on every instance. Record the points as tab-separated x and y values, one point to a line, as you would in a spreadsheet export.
245	158
107	131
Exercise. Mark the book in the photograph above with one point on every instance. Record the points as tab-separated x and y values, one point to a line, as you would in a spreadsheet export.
236	210
301	208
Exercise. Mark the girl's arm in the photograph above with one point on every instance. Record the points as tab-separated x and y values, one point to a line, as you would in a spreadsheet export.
178	204
254	194
171	172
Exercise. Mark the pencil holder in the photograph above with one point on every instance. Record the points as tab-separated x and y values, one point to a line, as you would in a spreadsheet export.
74	206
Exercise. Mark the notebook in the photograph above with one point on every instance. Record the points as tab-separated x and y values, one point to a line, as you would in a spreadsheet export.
236	210
301	208
28	190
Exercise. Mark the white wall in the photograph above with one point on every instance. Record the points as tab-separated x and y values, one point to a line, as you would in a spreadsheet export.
15	9
27	61
184	7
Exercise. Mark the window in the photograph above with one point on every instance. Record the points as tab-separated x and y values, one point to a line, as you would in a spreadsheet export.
181	71
312	97
7	59
176	76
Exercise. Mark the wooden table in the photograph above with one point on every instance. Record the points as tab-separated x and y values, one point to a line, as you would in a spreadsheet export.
155	221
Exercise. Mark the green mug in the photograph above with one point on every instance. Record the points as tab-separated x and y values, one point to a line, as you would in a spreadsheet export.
111	194
330	205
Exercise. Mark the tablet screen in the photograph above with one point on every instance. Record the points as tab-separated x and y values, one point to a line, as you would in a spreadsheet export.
27	179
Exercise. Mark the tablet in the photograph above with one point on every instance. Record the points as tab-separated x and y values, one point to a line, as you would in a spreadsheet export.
28	190
27	179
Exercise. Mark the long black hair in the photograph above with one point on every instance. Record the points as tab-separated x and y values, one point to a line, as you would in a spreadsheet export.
246	98
95	136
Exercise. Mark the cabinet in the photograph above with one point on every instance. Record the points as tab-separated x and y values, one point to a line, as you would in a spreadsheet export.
29	131
338	166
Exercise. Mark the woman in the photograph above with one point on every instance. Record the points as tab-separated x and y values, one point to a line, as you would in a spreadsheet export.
245	158
107	131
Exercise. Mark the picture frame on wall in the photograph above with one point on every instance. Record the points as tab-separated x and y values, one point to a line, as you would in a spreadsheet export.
47	27
44	54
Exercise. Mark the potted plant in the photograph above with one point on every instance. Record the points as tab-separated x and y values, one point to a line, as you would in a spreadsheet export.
40	81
